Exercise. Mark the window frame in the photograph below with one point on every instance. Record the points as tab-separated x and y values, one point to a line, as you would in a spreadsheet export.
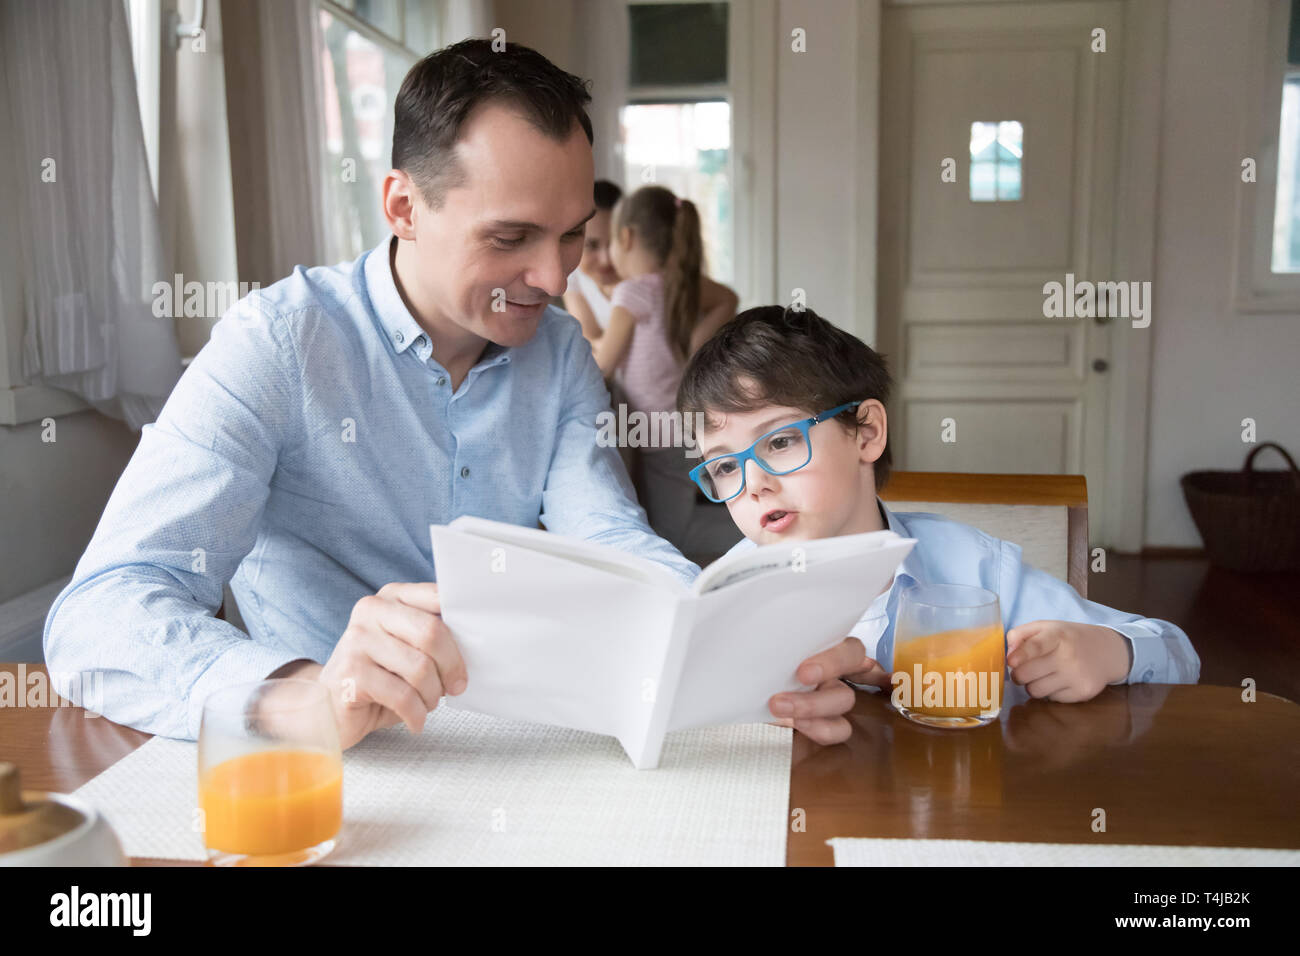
1257	289
391	46
744	194
396	45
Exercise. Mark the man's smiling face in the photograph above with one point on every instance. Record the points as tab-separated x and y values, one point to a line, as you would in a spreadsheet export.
515	223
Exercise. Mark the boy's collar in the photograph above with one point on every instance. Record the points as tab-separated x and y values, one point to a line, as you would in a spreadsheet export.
912	568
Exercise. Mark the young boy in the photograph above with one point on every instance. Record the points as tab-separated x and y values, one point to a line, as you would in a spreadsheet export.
770	368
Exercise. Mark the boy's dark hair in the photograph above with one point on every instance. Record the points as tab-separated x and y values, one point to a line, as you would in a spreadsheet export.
795	358
607	195
441	90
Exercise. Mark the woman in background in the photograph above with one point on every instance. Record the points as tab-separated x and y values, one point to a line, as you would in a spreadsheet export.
662	311
590	285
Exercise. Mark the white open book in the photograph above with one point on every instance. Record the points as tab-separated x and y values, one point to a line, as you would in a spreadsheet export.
558	630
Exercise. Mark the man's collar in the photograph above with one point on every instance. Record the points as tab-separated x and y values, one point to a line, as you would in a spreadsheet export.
394	317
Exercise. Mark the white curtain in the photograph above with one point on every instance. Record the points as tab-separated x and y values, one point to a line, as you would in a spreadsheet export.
88	220
290	39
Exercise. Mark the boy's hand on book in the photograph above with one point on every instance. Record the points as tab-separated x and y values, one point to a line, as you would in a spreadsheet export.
818	713
393	663
1065	661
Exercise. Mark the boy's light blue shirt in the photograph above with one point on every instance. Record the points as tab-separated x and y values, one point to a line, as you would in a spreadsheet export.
949	552
305	452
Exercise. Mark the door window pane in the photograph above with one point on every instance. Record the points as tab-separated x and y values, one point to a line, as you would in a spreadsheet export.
995	154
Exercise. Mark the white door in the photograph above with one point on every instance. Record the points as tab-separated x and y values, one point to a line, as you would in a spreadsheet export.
986	382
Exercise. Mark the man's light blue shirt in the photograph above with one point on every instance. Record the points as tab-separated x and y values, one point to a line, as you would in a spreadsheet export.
949	552
301	458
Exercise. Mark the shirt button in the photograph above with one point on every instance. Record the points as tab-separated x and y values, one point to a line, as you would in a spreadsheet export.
1148	675
400	337
464	472
442	380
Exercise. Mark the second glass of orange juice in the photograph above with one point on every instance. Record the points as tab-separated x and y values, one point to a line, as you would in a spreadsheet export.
270	774
949	656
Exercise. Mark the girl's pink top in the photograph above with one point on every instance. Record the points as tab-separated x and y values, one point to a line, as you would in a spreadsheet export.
649	372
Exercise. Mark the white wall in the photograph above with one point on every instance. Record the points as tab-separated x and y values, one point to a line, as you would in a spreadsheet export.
817	202
1212	365
52	494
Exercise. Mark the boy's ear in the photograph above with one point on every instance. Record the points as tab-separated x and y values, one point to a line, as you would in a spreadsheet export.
873	430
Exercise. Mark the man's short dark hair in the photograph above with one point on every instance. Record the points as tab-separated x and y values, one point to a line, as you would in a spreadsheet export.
607	195
441	90
787	357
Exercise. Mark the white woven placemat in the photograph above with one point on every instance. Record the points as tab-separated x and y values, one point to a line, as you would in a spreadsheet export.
477	790
853	851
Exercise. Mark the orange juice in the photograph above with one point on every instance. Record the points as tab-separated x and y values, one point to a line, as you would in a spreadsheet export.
272	801
977	650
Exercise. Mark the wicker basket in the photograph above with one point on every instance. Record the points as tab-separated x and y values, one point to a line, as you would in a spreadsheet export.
1249	520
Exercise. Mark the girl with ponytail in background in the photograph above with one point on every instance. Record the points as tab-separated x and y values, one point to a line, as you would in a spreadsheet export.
662	311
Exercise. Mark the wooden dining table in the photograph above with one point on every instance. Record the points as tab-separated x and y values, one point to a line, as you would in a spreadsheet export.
1172	764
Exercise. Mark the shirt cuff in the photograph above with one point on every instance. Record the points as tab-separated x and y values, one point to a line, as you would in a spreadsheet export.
243	662
1141	666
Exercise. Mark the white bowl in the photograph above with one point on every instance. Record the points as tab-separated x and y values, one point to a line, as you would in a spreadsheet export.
92	842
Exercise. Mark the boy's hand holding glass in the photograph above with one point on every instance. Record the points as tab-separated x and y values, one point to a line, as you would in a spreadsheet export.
1066	661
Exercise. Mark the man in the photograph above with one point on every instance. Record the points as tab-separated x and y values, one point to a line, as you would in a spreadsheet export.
338	413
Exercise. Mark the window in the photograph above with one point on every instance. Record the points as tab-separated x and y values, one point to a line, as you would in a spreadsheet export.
1266	261
366	48
1286	210
685	147
1286	207
995	151
676	129
677	44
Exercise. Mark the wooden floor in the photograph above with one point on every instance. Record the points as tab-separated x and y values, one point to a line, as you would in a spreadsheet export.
1242	625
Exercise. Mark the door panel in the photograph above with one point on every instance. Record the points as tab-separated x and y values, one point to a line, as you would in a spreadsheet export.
961	280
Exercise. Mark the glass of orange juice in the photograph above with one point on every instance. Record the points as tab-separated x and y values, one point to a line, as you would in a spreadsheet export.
270	774
949	655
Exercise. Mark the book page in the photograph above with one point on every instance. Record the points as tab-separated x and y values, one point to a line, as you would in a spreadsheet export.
593	555
749	637
731	569
552	640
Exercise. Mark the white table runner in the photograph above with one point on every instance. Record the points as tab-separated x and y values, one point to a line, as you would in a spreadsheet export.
899	852
477	790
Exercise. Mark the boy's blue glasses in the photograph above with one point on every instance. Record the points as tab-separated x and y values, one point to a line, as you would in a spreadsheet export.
777	452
